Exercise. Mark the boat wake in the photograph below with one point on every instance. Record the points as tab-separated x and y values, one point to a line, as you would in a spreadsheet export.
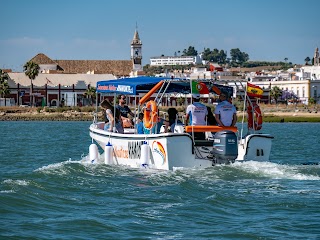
236	171
278	171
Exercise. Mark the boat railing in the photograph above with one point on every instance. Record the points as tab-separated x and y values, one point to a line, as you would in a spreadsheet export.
206	128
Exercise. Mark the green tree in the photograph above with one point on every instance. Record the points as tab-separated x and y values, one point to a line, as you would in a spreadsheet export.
91	94
31	69
286	60
190	52
238	57
275	93
307	60
4	86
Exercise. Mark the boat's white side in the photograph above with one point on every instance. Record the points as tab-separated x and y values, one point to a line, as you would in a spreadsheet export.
172	150
167	150
255	147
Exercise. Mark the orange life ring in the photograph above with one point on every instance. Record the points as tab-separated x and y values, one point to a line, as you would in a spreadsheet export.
150	117
256	122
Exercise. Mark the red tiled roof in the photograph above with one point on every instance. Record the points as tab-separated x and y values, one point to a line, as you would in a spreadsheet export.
115	67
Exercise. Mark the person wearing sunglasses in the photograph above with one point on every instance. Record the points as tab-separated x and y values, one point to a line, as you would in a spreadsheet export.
125	111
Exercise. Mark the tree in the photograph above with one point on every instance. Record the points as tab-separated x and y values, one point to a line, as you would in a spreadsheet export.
91	94
190	52
4	86
275	93
286	59
307	60
31	69
238	57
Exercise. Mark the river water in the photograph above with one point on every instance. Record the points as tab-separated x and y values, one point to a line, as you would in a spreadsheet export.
46	192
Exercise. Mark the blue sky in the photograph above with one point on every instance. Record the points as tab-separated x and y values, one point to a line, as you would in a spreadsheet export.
102	30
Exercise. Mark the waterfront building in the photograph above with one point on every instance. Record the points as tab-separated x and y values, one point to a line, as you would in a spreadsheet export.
64	82
175	60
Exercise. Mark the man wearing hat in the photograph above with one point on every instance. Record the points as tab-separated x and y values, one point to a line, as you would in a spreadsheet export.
196	112
225	112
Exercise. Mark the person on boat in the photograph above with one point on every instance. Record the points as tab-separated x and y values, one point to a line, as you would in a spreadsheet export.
173	113
139	124
111	121
157	127
225	112
211	120
125	111
196	112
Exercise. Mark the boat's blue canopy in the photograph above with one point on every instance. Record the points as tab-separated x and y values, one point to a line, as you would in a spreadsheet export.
128	86
136	85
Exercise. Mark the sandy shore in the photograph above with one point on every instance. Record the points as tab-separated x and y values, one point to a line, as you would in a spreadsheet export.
33	115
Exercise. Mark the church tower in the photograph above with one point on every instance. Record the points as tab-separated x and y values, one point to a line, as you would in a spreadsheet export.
316	58
136	52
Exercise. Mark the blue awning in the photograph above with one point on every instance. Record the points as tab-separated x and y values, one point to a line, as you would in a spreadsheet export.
128	86
136	85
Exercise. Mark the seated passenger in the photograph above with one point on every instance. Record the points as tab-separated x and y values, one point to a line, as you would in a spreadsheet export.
110	120
140	124
157	126
173	113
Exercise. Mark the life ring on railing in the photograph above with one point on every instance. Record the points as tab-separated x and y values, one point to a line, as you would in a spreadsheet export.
256	121
150	114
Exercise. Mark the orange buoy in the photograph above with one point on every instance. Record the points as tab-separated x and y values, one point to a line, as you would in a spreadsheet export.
150	117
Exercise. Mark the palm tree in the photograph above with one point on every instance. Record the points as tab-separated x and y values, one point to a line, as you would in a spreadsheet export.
286	59
275	93
31	70
91	94
4	86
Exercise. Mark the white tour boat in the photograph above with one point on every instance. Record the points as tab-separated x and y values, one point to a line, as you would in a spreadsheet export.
178	149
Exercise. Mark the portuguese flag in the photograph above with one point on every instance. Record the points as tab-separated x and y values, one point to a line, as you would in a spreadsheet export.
254	91
199	87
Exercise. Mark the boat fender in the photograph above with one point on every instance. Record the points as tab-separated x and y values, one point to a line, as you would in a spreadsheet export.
108	153
256	121
93	153
150	114
145	154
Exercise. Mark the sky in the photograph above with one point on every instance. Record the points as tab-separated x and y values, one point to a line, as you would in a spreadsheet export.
103	29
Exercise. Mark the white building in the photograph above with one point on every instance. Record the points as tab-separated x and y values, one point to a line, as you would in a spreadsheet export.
177	60
304	82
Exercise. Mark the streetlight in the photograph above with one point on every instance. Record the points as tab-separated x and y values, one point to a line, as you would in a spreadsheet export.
315	92
315	95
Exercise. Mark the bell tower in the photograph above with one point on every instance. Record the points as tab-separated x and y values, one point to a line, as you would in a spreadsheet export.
316	58
136	51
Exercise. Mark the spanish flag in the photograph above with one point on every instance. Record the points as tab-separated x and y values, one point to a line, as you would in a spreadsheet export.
199	87
254	91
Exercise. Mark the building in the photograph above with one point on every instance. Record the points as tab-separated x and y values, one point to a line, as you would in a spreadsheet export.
176	60
303	82
65	81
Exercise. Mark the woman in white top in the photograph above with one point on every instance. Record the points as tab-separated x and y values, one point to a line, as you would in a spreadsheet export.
110	120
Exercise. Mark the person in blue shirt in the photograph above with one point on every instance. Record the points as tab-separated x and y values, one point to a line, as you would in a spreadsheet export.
140	128
157	127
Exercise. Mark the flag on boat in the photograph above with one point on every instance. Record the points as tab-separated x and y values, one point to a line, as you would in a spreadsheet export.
199	87
254	90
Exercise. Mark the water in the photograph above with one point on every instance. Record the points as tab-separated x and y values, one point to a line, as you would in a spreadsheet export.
47	193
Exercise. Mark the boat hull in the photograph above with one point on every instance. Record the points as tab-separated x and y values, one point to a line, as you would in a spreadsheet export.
167	151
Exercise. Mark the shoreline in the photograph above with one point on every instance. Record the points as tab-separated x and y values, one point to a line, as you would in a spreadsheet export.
272	116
